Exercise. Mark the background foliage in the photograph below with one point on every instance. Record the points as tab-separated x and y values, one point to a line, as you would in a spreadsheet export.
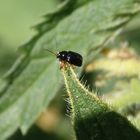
110	65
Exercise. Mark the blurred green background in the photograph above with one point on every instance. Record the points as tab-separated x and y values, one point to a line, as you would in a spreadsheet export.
17	17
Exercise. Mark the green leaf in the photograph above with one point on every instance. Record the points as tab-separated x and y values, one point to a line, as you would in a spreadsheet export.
34	79
93	119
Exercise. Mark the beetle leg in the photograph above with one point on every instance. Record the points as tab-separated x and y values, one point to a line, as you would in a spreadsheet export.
62	64
73	66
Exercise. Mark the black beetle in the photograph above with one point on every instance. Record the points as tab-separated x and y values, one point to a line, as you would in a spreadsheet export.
70	57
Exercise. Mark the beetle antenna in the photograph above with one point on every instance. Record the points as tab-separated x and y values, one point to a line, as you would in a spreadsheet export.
50	51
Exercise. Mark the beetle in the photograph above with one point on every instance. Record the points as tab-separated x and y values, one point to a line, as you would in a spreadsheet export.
70	57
